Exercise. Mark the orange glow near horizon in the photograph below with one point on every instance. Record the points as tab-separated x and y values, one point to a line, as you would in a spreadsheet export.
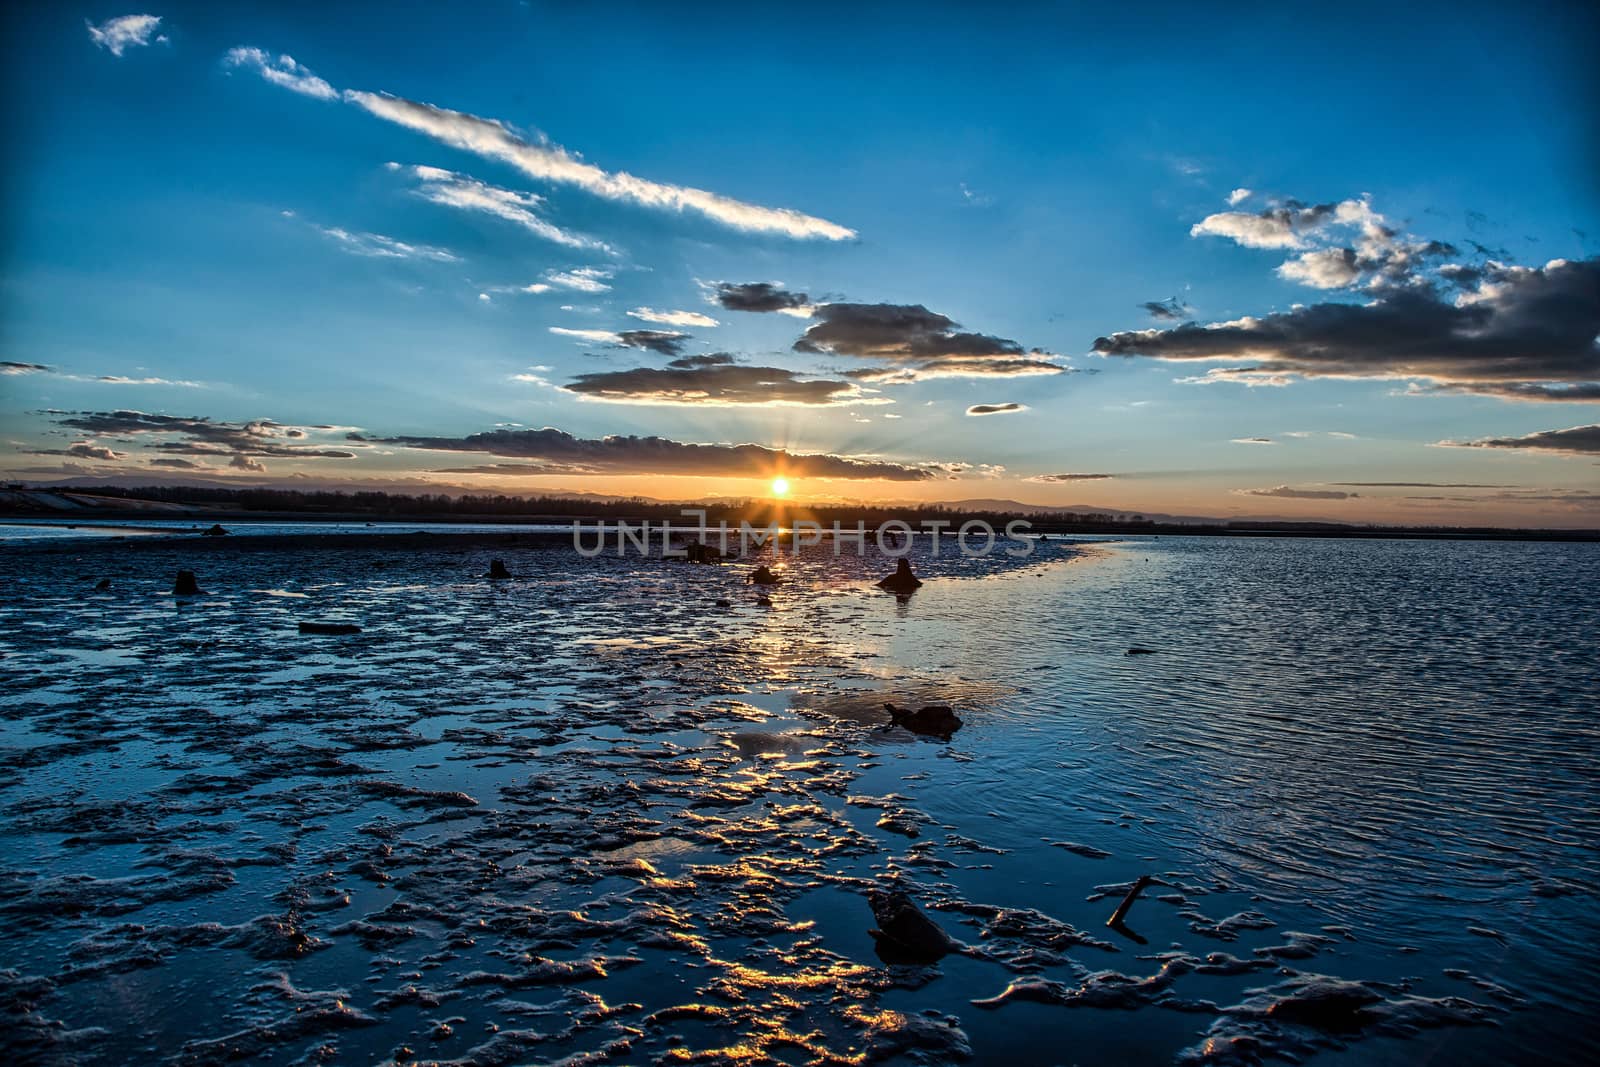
780	487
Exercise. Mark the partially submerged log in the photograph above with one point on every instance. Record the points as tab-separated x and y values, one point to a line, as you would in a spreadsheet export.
336	628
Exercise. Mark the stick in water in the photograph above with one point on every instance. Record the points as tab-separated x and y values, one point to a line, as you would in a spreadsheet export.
1127	901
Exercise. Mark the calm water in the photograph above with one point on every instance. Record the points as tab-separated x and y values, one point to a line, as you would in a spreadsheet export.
589	811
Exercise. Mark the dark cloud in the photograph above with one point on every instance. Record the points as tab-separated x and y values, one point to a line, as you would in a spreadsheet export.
1575	441
1526	332
666	342
179	464
1070	477
198	436
909	342
956	368
1578	392
995	409
557	452
758	296
709	359
1299	494
8	366
719	383
81	450
1171	309
1419	485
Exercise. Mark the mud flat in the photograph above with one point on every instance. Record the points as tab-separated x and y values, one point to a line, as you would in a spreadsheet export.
585	814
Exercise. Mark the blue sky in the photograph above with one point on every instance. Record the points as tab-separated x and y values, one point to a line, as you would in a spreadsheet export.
187	206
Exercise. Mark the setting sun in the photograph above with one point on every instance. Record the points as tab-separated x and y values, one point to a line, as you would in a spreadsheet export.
780	487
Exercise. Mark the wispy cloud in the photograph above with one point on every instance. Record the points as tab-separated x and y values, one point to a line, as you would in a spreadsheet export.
124	32
469	194
1071	477
539	158
281	71
583	279
379	246
996	409
10	367
1292	493
665	342
1252	441
673	318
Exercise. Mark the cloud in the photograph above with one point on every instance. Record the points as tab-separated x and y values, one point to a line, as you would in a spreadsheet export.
1171	309
124	32
1299	494
995	409
709	359
1239	196
469	194
200	436
9	368
673	318
583	279
1070	477
666	342
1573	441
539	158
553	163
597	336
1523	333
762	297
1284	226
916	343
1328	268
81	450
379	246
1532	391
1419	485
704	382
1252	441
557	452
119	379
282	71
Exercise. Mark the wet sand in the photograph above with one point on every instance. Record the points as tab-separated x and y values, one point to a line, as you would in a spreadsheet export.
586	815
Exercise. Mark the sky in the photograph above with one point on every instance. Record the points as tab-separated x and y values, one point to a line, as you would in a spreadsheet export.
1244	261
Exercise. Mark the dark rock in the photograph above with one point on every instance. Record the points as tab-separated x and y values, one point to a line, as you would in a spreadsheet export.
724	603
902	580
933	720
497	569
904	934
764	601
185	585
1327	1004
329	628
764	576
215	531
695	552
